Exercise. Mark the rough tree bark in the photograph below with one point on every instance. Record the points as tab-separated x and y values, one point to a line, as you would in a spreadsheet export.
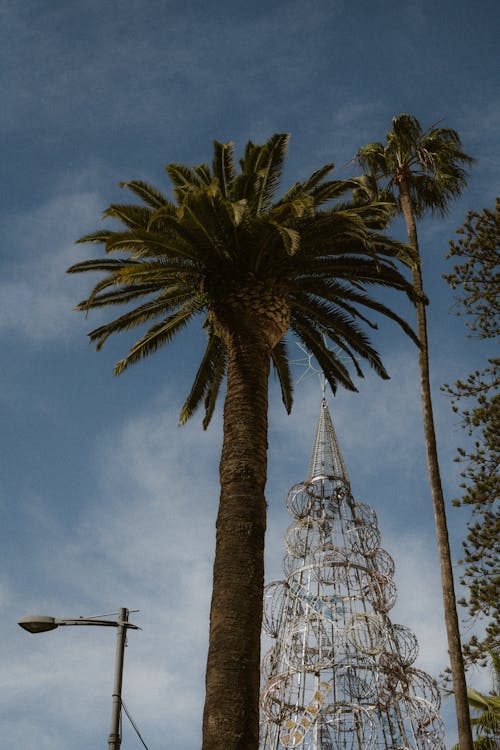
251	328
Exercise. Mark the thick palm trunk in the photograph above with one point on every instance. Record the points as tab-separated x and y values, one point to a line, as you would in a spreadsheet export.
449	599
231	716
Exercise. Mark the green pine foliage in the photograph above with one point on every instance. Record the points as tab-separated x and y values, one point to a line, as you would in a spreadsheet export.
476	278
476	399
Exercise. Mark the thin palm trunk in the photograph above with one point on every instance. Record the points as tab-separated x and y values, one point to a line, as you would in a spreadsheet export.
231	717
449	599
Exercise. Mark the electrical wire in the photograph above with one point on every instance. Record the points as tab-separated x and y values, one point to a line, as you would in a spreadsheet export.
133	724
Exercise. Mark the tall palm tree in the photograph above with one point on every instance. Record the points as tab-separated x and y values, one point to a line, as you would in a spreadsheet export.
249	267
423	171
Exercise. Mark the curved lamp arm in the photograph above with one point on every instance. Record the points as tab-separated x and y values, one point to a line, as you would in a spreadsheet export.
43	623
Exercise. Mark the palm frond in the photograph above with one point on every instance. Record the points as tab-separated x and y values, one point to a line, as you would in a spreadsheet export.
341	295
207	371
203	172
150	310
336	324
279	358
385	247
484	702
333	369
300	207
249	159
333	291
147	275
289	237
332	190
177	243
213	393
269	166
149	194
158	335
261	168
331	229
134	217
101	237
243	187
183	177
239	209
373	159
100	264
125	242
210	222
142	243
406	131
118	296
358	273
302	188
223	166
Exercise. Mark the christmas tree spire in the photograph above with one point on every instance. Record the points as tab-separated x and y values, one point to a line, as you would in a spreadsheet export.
326	458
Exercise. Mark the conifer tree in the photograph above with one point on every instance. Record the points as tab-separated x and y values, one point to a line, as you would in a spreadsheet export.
476	281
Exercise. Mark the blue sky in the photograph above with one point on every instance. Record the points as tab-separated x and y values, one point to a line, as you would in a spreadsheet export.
104	502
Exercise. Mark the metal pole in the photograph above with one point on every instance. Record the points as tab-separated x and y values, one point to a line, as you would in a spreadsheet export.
114	740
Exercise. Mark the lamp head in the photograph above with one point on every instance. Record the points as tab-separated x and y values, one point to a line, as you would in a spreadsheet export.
38	623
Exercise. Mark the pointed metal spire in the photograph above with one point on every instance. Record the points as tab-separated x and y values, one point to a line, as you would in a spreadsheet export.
326	459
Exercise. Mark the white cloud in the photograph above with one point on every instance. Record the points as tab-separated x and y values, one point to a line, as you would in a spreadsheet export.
356	111
37	295
418	604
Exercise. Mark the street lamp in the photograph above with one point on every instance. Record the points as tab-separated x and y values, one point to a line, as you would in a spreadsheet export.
42	623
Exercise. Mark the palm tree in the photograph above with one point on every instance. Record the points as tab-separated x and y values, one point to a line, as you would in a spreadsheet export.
487	707
249	267
423	171
487	722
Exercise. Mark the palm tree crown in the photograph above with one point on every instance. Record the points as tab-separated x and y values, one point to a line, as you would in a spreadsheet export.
431	162
224	250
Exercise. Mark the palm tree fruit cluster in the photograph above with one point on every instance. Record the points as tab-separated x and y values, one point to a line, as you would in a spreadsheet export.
340	674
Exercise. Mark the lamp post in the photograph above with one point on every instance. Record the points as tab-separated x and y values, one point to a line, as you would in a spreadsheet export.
42	623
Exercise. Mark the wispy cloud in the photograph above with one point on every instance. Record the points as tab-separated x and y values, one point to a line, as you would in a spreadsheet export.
36	295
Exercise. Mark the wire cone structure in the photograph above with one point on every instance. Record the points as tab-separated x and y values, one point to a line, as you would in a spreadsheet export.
339	675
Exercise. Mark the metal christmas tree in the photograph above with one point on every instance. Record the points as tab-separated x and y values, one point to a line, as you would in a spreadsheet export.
339	675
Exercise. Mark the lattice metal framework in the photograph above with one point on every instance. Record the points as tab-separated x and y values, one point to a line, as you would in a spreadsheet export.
339	675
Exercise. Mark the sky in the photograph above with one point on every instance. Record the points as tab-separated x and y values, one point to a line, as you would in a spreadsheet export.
104	501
